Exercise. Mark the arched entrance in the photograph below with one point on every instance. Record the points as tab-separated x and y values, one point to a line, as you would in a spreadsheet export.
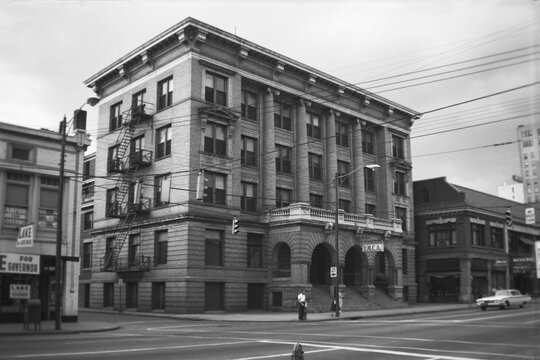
321	260
354	266
384	270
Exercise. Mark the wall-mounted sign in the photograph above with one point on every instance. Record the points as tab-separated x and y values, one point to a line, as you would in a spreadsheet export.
26	236
19	264
19	291
373	246
530	218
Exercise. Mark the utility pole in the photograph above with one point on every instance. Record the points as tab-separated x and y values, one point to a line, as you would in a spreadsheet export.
336	287
58	262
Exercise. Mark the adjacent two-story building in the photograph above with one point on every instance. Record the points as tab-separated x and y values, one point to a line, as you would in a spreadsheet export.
29	217
198	127
470	242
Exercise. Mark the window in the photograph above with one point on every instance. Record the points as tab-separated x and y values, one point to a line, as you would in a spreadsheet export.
369	180
158	296
136	149
248	155
215	139
315	166
137	99
109	244
367	142
399	184
398	147
342	133
255	251
283	197
114	163
249	105
283	261
163	141
345	205
88	220
404	262
497	238
248	200
132	292
371	209
282	115
401	213
87	255
161	239
108	294
442	234
213	248
283	159
477	235
165	93
316	200
133	249
48	202
343	170
20	152
112	207
115	116
16	199
162	190
313	124
214	193
89	169
88	191
215	89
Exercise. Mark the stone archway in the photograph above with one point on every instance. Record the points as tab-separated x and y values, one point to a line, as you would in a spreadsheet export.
356	266
321	260
384	270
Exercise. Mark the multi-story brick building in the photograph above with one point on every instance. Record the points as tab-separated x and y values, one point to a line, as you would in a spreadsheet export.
29	192
465	246
197	126
529	154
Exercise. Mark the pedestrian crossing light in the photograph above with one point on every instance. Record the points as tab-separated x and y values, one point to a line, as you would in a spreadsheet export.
235	226
508	217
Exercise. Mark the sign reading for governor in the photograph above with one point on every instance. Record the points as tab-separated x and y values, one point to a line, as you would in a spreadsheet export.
19	264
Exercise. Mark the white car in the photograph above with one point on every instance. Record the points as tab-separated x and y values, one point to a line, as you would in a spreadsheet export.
503	299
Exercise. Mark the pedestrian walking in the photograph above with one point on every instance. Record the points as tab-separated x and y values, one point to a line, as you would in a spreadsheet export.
302	306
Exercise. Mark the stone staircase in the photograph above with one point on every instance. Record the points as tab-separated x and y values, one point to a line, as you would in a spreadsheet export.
385	301
320	300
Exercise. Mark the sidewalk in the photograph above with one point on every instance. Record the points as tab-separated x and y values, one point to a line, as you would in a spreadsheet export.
48	327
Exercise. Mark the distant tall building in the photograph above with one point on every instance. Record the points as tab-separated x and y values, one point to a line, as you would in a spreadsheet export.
512	192
529	154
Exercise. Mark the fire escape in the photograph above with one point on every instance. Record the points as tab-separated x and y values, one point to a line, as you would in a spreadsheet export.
127	204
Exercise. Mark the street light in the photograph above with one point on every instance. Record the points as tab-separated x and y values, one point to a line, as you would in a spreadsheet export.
337	178
58	265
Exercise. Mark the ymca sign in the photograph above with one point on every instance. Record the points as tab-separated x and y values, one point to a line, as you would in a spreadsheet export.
373	246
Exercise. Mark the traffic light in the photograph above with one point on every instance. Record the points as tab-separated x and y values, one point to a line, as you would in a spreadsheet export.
235	226
508	217
202	185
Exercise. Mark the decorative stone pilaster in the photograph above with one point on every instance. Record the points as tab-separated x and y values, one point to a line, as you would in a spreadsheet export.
302	161
465	281
268	149
359	195
331	159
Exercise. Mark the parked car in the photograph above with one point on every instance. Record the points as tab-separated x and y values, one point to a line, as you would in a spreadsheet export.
503	299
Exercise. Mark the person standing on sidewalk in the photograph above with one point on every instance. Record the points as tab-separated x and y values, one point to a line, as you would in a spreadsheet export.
302	304
341	296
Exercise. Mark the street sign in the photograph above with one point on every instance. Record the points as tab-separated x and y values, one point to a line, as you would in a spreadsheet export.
530	218
333	271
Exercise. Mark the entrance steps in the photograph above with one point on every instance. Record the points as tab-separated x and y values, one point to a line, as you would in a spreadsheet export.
321	297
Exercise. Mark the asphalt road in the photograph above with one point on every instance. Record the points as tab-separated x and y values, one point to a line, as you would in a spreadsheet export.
468	334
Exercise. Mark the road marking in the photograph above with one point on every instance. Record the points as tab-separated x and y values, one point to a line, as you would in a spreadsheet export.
372	350
283	355
179	327
119	351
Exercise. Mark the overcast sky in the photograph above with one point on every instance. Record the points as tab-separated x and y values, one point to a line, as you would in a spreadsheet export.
423	54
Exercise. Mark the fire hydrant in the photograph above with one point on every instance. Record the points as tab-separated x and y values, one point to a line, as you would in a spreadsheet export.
298	353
